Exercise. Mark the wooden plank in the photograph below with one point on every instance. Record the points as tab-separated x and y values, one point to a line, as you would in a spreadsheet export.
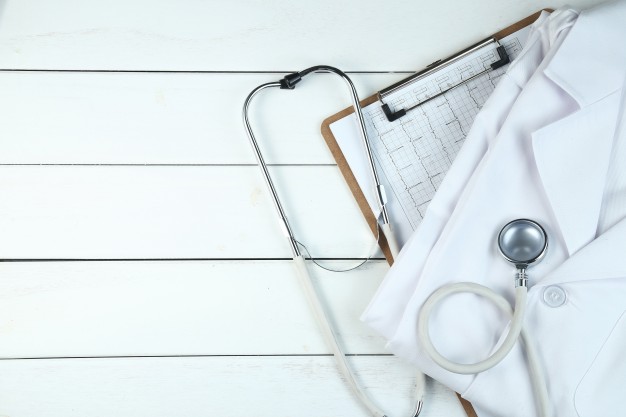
121	212
83	309
270	36
121	118
195	387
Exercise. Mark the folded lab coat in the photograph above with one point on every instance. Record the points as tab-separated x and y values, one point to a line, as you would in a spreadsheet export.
549	145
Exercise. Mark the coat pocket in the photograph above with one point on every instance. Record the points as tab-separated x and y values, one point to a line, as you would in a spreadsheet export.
602	390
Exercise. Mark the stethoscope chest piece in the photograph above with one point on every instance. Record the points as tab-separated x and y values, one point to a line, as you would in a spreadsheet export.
522	242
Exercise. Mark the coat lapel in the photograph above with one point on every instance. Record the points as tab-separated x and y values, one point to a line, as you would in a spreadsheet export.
573	154
572	157
590	63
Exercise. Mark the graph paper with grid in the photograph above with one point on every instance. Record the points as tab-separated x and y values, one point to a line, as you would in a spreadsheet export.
414	153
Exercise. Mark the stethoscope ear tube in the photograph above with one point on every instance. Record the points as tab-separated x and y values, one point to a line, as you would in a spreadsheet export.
284	223
392	242
289	82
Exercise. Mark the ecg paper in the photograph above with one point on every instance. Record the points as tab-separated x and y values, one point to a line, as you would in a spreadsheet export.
413	153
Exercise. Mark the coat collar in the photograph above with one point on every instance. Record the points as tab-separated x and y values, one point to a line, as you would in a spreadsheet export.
590	63
573	153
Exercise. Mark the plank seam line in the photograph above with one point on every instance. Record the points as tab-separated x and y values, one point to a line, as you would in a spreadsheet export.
18	260
183	71
279	355
164	165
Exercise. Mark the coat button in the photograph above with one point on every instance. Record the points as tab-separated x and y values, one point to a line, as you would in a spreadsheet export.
554	296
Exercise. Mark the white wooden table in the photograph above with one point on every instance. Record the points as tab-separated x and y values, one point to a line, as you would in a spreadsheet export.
146	274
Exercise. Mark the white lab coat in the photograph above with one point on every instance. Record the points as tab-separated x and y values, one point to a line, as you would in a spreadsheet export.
549	145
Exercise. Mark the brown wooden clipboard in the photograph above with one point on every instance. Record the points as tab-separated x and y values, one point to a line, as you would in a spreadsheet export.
352	182
343	164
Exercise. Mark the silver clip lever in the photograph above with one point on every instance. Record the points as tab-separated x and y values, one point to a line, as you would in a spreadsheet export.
503	59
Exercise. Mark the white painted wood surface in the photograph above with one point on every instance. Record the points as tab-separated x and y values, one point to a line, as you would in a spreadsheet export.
281	386
165	212
164	118
247	35
122	149
87	309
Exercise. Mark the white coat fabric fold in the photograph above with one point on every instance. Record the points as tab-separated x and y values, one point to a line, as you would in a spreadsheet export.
549	145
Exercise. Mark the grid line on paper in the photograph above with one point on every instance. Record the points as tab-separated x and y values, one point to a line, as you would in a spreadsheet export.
415	151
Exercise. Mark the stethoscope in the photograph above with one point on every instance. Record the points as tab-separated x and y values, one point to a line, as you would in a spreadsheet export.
289	82
521	242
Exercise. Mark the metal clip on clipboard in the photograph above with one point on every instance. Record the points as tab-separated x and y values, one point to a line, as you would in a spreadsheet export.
503	59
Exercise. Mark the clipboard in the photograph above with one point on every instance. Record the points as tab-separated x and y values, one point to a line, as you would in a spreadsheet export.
395	114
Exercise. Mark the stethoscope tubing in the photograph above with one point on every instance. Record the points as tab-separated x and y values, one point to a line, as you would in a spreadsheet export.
515	328
330	337
303	274
515	332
